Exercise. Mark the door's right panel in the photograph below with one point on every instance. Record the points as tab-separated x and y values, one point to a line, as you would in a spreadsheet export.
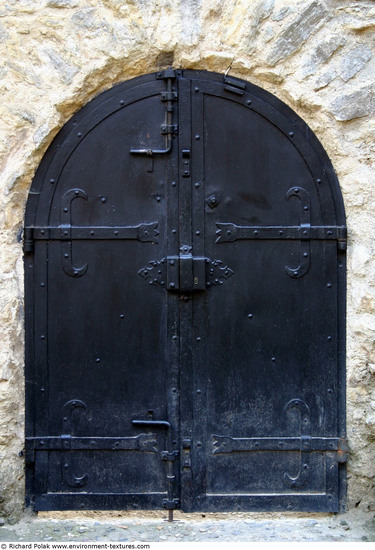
267	364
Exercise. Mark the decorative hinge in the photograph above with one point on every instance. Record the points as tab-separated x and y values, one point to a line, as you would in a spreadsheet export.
342	451
171	504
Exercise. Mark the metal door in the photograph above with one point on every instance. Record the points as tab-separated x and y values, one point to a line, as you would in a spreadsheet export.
185	318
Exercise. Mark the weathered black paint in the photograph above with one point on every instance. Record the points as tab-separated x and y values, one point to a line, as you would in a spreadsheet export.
185	305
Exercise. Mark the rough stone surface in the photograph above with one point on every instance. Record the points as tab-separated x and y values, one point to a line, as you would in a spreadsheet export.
355	526
315	55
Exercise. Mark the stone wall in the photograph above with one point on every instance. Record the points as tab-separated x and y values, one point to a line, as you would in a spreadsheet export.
316	55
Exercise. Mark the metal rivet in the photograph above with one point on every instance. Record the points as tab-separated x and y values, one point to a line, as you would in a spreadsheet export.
281	232
115	232
174	231
65	233
79	134
42	337
255	232
103	199
65	210
305	254
66	255
66	466
305	207
158	198
52	181
197	137
174	337
318	180
199	391
329	285
199	444
98	360
122	316
199	339
171	285
273	359
296	190
42	390
329	232
250	315
295	273
42	284
197	184
92	232
305	466
196	89
248	101
291	134
76	273
122	102
329	338
41	443
197	233
171	262
173	184
330	390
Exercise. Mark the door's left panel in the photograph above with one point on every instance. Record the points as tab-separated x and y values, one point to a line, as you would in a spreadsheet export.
97	342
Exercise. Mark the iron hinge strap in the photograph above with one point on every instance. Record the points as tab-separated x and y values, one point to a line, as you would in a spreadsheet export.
141	442
144	232
230	232
227	444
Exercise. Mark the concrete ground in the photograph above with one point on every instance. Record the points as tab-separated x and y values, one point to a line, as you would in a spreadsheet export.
353	526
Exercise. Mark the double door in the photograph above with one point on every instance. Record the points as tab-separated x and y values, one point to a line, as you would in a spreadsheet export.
185	271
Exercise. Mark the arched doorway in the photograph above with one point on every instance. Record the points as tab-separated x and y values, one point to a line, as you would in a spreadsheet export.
185	305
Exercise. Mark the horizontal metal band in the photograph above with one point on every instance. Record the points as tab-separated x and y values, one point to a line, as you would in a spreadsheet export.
226	444
145	232
141	442
229	232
